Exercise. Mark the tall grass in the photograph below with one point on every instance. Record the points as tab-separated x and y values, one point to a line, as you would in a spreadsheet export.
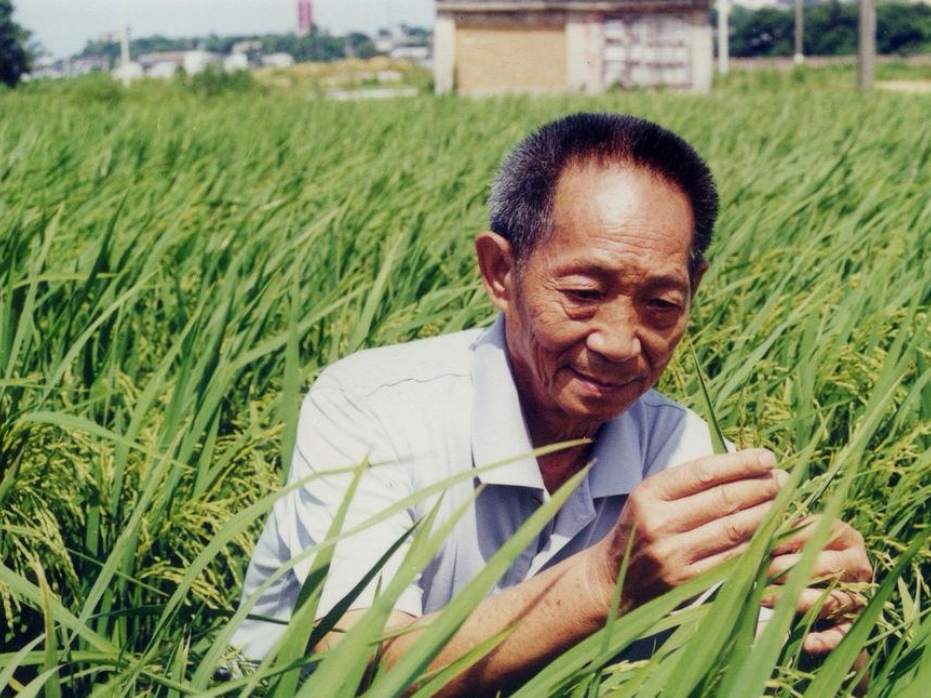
174	271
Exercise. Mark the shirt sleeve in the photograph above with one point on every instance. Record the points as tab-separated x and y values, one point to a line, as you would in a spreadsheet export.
336	430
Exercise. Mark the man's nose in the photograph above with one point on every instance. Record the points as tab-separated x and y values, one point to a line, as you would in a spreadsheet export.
616	333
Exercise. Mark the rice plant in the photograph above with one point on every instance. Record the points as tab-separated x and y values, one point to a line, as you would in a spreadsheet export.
174	272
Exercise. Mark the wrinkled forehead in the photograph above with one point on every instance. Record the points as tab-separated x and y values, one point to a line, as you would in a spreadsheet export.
595	163
614	190
578	185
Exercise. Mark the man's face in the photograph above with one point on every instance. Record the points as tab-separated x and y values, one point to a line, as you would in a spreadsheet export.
594	314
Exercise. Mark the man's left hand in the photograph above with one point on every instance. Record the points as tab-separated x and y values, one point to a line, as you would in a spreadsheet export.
841	567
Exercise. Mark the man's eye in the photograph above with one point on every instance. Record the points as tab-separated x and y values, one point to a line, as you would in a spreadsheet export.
582	295
664	304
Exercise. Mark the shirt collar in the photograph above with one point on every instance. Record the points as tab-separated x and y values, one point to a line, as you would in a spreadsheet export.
499	433
500	436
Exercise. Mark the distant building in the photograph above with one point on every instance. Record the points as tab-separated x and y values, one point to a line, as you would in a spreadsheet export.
243	55
278	60
405	43
760	4
197	61
46	67
235	62
128	71
412	54
166	63
248	47
496	46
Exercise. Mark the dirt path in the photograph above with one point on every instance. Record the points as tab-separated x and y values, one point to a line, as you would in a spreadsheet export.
904	85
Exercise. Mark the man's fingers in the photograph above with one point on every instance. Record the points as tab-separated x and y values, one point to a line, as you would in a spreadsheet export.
685	498
724	534
843	559
821	641
842	537
831	603
830	565
836	612
704	473
719	503
710	544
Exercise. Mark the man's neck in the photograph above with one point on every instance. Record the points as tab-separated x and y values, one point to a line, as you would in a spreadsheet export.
551	429
556	468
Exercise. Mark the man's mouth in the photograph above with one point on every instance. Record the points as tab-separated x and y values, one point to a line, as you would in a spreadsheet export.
606	384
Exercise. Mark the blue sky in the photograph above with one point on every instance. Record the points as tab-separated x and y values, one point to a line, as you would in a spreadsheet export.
64	26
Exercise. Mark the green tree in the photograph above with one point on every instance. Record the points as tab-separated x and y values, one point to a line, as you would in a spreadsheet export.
107	49
316	46
831	29
765	32
14	58
360	45
903	29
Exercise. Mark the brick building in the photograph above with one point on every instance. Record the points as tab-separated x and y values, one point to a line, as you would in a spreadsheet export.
496	46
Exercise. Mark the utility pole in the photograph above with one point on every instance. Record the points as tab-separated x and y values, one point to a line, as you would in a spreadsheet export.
391	29
866	65
724	48
799	57
124	44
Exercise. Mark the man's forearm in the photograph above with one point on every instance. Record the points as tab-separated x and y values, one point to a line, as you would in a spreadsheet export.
544	616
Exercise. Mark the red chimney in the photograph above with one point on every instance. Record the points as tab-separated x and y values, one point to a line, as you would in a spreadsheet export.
305	17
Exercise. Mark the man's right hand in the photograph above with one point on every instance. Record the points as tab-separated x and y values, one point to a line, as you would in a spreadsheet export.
686	520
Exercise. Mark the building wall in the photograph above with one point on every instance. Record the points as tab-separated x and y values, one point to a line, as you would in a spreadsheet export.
510	54
584	54
444	54
702	53
552	50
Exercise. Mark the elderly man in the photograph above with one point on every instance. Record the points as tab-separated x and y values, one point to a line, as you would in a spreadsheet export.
599	225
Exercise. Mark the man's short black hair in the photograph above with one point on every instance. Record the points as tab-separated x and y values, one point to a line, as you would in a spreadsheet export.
521	203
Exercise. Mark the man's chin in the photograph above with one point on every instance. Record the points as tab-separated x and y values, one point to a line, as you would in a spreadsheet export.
597	412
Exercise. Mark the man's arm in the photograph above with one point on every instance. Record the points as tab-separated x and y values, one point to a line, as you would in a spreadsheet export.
545	615
678	524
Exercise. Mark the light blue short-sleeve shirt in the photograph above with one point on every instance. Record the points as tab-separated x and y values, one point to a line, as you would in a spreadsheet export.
421	413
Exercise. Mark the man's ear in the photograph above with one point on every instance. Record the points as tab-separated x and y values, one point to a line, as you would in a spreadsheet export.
497	266
697	276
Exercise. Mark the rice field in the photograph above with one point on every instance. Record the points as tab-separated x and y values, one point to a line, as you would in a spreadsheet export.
176	269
